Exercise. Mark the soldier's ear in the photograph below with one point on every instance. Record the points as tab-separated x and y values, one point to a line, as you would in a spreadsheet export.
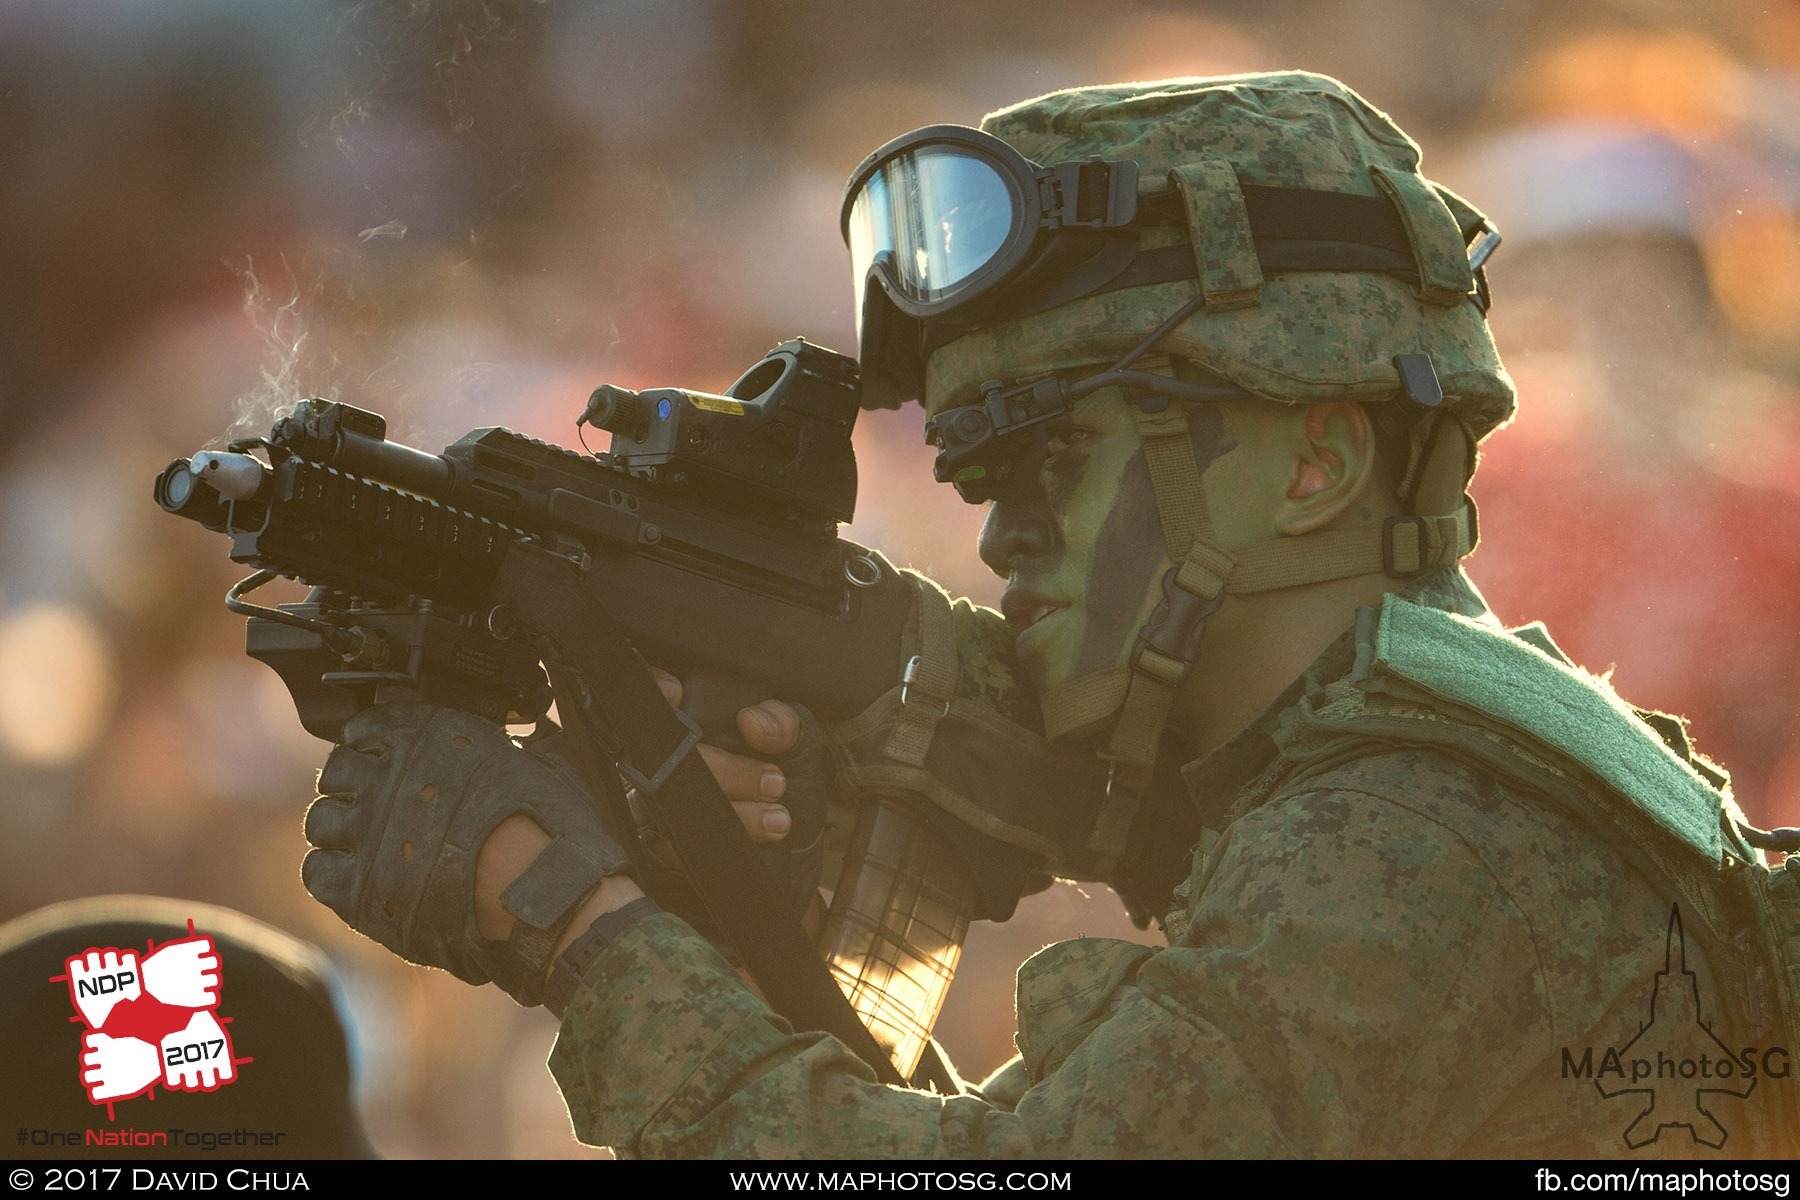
1330	454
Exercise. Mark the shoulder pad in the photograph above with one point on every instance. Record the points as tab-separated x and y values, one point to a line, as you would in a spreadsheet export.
1524	684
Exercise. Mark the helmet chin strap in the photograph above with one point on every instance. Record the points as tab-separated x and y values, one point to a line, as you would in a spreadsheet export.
1437	531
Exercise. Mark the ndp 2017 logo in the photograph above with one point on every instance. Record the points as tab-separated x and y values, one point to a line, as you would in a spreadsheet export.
150	1020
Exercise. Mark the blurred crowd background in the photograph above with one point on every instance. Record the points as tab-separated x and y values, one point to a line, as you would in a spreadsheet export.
464	213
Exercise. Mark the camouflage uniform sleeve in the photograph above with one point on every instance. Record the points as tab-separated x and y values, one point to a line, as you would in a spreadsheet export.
664	1053
1352	980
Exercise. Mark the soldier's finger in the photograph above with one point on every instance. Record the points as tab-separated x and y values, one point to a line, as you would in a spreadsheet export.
331	824
670	686
345	768
771	727
742	778
763	821
330	877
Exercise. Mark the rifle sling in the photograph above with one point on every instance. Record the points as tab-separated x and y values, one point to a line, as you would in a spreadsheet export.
608	698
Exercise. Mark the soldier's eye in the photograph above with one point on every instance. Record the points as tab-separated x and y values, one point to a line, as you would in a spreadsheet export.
1064	438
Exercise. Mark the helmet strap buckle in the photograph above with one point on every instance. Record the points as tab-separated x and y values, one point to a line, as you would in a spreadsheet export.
1169	640
1417	561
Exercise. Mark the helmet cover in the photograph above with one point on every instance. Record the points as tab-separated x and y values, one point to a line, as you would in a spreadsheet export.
1315	335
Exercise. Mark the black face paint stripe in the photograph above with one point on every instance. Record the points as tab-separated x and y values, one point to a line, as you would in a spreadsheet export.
1129	554
1061	477
1206	433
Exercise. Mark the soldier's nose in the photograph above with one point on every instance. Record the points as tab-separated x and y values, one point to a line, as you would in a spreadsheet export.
1016	529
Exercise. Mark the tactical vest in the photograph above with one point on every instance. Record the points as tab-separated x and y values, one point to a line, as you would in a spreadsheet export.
1512	704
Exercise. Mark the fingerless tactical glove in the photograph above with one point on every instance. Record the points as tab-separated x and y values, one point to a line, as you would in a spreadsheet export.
404	807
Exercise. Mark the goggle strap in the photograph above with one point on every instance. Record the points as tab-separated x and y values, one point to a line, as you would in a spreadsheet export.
1172	264
1219	229
1114	265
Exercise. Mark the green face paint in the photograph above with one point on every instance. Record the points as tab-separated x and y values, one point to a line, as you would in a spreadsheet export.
1084	552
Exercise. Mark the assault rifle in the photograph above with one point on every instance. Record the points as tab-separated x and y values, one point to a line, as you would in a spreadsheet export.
713	521
708	532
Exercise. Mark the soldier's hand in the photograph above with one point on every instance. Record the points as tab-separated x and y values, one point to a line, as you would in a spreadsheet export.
760	790
401	831
755	785
777	775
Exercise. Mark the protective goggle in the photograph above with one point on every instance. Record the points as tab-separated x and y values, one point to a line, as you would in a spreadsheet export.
947	214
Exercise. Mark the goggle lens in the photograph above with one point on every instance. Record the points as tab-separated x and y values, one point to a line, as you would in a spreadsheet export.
937	214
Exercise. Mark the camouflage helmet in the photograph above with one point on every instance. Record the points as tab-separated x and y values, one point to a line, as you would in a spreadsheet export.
1292	336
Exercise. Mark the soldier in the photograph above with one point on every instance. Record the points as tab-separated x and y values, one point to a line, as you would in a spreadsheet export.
1215	353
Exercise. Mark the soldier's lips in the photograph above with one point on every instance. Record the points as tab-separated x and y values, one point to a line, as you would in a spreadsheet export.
1023	609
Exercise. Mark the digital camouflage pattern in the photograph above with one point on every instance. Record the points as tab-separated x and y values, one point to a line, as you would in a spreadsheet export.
1314	335
988	669
1382	952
